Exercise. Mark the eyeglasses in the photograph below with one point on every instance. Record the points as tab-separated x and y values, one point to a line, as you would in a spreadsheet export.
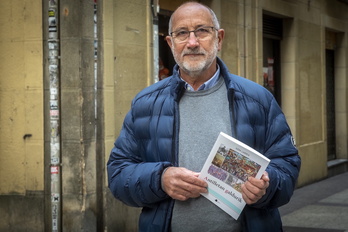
201	33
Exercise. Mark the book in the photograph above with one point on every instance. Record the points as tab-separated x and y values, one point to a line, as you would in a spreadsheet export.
227	167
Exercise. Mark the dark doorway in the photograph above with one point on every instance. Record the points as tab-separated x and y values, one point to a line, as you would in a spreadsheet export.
330	104
271	67
272	36
165	53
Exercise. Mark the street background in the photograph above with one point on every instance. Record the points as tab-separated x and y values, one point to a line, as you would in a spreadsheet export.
318	207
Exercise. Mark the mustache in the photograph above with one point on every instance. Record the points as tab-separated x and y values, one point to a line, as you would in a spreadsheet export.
194	52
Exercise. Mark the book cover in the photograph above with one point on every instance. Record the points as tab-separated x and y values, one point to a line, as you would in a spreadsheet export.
227	167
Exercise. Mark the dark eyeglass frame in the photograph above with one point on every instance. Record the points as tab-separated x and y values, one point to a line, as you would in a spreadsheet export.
174	36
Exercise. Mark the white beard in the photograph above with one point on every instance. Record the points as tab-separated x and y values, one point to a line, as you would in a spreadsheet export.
194	67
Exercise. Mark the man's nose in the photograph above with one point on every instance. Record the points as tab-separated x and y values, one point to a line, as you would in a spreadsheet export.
192	40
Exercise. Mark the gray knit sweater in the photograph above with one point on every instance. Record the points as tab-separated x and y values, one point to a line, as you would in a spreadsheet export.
203	115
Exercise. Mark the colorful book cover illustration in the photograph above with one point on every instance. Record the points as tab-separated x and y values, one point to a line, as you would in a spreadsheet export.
227	167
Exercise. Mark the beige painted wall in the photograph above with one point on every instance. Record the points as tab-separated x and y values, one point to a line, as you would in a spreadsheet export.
21	97
127	65
127	59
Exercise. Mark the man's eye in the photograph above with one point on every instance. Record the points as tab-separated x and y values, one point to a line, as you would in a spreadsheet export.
202	30
181	33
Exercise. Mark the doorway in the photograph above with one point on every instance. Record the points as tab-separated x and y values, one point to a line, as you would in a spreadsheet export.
272	36
330	104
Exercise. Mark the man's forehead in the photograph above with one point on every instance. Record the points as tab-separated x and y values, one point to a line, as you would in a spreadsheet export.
191	15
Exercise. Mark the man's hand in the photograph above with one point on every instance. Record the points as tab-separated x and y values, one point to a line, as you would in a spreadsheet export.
253	189
182	184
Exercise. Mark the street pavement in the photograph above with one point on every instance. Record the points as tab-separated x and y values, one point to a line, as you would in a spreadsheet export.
318	207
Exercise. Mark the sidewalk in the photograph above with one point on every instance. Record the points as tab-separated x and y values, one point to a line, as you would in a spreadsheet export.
319	207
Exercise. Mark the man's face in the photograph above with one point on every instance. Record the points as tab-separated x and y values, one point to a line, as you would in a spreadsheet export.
194	55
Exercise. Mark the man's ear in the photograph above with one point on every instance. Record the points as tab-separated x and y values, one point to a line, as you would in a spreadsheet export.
221	35
169	41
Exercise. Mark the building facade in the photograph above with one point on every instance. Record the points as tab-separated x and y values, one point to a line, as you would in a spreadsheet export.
69	70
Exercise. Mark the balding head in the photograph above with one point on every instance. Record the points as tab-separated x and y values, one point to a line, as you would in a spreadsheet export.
188	6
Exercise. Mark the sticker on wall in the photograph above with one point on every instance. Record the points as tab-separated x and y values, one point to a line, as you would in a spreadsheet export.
54	134
51	13
54	210
53	96
55	197
52	34
54	160
52	29
54	81
54	169
53	61
52	3
54	105
53	91
53	48
52	24
53	45
54	217
52	21
53	72
54	114
53	69
55	143
53	53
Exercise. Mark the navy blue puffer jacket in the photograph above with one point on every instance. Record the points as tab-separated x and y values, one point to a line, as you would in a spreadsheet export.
148	143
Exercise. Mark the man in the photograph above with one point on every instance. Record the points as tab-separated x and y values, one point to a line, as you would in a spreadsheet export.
173	124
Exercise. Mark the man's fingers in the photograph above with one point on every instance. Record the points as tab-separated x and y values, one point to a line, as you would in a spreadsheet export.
194	180
265	177
181	183
249	195
254	189
261	184
187	176
179	194
183	191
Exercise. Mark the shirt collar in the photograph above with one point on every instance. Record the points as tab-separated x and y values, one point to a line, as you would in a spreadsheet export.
206	85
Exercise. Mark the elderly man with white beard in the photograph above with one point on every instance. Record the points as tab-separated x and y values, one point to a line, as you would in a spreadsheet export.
173	124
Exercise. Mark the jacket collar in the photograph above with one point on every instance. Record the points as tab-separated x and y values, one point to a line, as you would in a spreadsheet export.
178	86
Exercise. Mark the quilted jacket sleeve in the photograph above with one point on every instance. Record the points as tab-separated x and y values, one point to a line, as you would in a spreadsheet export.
285	162
131	179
